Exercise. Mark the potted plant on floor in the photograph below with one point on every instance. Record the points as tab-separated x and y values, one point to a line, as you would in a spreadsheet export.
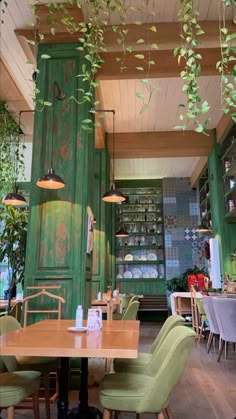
13	238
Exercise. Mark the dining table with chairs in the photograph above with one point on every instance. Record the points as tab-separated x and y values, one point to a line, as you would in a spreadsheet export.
118	338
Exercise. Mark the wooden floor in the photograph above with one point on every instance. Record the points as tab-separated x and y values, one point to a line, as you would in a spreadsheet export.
207	389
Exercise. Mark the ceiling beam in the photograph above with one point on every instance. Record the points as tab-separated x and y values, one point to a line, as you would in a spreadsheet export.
197	171
160	144
10	94
166	36
223	127
166	65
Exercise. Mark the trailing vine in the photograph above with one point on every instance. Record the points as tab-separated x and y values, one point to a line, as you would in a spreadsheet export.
11	151
190	33
91	37
228	74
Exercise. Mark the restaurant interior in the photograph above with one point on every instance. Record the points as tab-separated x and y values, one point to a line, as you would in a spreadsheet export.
118	209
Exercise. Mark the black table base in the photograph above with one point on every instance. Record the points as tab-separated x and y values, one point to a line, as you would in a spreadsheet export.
83	410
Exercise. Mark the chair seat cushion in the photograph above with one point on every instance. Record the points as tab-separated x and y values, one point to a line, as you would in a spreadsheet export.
134	366
16	386
123	392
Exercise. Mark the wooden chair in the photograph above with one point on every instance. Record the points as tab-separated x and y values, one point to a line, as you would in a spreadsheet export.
38	300
43	292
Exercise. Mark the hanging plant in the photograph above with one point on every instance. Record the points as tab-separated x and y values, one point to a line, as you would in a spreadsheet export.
187	52
13	243
228	74
11	151
91	36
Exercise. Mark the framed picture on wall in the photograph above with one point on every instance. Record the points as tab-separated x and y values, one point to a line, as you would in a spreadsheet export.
89	233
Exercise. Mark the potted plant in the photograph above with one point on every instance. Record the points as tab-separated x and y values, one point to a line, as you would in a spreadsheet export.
13	244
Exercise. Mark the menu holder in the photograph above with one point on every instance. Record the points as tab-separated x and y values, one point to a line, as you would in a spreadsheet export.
94	321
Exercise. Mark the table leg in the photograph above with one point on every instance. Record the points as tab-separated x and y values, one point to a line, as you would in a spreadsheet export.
63	403
83	410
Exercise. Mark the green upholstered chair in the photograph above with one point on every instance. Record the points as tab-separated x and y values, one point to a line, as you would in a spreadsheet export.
149	392
132	311
21	363
126	300
15	387
16	311
138	365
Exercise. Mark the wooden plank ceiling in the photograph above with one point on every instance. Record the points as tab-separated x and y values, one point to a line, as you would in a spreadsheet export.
146	144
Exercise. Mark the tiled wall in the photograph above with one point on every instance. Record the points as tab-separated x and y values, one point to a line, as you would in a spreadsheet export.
183	246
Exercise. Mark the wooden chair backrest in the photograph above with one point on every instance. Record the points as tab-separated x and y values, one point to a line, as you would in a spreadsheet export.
43	291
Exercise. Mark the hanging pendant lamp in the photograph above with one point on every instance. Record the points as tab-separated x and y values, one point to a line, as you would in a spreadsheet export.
122	232
51	180
14	198
202	228
113	195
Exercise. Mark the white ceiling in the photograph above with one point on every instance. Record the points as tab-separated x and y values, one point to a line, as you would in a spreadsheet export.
119	94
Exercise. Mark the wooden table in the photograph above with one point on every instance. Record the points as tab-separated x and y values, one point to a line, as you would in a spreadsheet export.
181	302
118	338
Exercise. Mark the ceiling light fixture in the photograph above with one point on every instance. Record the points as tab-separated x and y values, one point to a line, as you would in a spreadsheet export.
202	228
113	195
122	232
51	180
14	198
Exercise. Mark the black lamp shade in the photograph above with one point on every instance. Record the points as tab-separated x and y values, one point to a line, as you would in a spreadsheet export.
122	232
14	198
114	196
51	181
202	228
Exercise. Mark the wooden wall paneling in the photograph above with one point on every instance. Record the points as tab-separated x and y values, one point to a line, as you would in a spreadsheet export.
58	218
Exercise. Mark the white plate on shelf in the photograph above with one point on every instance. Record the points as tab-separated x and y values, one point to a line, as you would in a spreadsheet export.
136	273
145	275
129	257
77	329
119	276
152	256
153	273
127	274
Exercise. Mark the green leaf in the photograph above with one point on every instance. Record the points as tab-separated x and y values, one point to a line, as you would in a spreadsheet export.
140	41
153	28
139	56
154	46
139	68
45	56
145	81
140	95
86	121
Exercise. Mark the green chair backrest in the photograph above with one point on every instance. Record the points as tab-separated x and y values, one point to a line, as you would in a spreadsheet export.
124	300
201	308
170	323
16	311
167	368
134	298
9	324
131	312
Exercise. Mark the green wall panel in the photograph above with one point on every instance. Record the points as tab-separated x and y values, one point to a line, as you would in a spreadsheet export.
156	286
223	230
57	239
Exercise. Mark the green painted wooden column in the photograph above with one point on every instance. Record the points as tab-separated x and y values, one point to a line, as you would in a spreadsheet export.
100	277
223	230
58	225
